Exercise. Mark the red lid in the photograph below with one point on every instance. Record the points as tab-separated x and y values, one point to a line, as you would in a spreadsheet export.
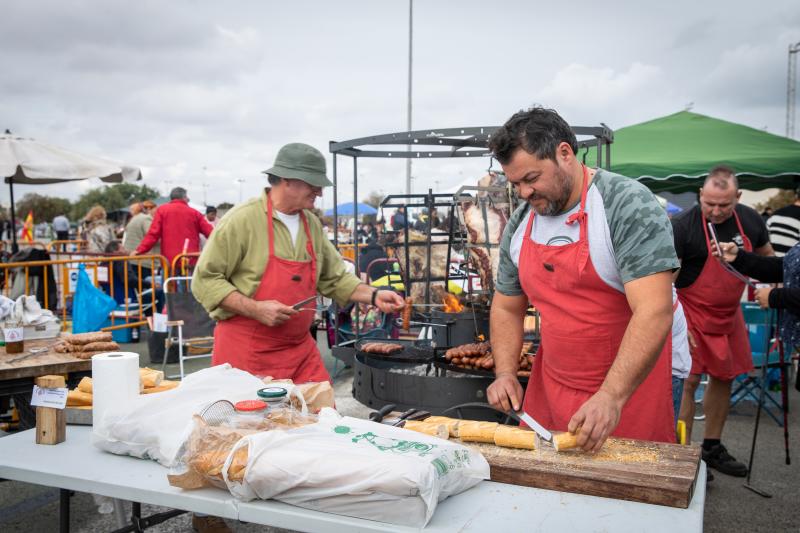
250	405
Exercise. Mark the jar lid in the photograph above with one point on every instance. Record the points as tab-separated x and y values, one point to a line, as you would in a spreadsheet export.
271	393
250	405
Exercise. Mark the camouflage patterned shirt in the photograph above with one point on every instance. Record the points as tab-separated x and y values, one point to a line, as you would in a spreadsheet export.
630	236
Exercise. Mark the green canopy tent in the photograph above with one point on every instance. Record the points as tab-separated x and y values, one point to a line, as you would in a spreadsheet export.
670	154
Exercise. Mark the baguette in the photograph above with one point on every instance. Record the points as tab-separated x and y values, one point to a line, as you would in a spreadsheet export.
429	428
473	431
450	423
565	441
150	378
76	397
164	386
514	437
85	385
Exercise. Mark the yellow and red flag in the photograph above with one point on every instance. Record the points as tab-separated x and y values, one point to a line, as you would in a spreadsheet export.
27	229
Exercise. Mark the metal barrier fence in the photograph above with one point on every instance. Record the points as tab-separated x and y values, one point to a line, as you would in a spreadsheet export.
348	251
101	272
66	246
186	268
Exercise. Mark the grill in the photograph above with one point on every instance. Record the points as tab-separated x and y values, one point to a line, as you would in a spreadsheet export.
455	329
419	377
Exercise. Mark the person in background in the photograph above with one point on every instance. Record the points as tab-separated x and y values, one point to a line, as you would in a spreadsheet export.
784	226
369	253
399	220
711	300
137	228
766	213
211	215
118	273
61	227
97	232
176	226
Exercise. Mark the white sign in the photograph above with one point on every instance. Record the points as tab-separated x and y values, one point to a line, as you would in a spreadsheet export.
12	334
100	275
56	398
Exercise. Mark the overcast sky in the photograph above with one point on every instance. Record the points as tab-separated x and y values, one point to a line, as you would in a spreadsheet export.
202	92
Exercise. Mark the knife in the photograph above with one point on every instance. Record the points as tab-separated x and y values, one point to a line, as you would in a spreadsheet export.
301	303
536	426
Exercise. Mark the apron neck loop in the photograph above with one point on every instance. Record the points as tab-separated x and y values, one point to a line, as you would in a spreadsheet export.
270	227
580	216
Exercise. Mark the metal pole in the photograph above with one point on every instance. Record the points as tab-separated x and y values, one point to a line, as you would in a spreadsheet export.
335	210
791	89
410	63
14	245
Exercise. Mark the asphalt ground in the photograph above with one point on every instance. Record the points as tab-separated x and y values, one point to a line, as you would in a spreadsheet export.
729	505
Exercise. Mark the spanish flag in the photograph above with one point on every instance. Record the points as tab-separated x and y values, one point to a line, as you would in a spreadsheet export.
27	229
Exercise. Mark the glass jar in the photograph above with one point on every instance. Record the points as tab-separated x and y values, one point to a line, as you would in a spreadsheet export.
13	336
276	397
254	408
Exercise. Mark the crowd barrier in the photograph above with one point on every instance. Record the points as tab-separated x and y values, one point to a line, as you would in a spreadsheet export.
183	264
29	277
66	246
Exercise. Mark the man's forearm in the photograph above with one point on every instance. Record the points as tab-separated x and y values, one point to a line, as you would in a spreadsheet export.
239	304
506	324
640	348
362	294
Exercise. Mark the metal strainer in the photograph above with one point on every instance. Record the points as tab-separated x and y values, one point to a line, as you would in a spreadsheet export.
217	412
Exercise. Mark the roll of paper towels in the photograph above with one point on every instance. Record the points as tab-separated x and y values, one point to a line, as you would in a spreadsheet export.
115	382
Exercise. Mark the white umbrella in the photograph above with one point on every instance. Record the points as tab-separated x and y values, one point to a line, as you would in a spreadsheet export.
36	163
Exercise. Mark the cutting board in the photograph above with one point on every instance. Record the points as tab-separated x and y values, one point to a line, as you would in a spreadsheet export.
48	361
640	471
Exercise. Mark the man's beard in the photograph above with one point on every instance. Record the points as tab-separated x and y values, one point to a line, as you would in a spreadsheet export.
555	206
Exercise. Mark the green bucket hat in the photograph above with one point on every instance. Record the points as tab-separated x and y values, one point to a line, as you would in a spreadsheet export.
298	161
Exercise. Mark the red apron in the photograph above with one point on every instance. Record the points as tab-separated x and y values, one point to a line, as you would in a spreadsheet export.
285	351
583	322
714	316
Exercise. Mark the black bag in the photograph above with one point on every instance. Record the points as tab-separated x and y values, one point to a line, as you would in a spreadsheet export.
155	346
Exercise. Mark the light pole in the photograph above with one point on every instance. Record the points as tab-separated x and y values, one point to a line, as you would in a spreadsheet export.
240	181
410	63
791	89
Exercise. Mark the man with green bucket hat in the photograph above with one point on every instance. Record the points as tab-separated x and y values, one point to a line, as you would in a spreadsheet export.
264	260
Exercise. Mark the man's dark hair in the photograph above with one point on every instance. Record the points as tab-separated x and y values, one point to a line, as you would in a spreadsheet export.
210	209
537	130
273	179
178	193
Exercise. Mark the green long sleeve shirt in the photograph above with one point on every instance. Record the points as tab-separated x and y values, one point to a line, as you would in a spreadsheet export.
237	252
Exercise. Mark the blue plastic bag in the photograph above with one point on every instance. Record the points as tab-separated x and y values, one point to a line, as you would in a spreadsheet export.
91	306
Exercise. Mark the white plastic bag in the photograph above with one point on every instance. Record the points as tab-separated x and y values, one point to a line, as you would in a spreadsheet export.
155	426
357	468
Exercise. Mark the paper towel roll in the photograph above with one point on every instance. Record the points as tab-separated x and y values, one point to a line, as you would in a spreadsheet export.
115	382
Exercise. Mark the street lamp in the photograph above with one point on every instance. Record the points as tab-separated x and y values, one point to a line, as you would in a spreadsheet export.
240	181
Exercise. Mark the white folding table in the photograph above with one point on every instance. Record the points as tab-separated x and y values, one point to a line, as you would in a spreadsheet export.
77	465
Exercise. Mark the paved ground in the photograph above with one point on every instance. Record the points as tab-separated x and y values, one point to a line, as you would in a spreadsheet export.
729	506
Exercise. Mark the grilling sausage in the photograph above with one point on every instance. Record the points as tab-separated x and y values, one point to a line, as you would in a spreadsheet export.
407	313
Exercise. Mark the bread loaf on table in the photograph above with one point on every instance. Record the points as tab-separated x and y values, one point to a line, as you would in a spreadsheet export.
76	397
85	385
86	338
473	431
163	386
565	441
429	428
450	423
514	437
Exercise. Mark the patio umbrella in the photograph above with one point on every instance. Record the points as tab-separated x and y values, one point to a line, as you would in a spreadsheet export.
347	210
36	163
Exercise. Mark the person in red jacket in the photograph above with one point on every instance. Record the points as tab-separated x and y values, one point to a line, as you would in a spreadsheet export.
174	224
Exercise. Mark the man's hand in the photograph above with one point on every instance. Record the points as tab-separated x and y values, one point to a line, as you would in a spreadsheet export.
762	297
596	418
729	251
692	342
389	301
273	312
505	392
134	253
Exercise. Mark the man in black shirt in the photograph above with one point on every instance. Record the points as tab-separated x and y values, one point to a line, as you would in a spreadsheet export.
711	299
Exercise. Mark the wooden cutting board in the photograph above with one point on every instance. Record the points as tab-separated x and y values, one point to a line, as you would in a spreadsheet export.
640	471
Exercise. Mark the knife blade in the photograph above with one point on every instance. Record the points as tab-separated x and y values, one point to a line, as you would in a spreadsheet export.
301	303
536	426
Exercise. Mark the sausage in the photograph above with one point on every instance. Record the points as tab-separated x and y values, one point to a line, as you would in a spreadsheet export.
407	313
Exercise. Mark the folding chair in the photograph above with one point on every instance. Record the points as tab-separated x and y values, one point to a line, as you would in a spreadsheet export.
190	327
760	326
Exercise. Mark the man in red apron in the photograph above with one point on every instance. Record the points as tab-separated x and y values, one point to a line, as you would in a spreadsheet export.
267	255
711	300
604	364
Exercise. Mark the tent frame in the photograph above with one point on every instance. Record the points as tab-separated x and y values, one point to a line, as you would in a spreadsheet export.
462	142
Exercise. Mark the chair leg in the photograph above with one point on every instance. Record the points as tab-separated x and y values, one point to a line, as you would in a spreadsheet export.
180	349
